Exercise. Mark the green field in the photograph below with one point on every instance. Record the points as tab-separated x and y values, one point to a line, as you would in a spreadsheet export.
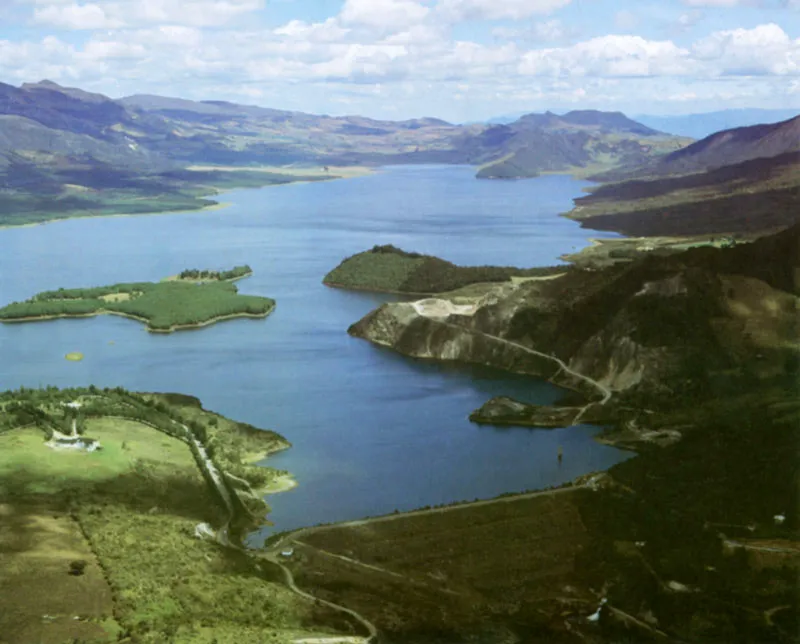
124	444
165	306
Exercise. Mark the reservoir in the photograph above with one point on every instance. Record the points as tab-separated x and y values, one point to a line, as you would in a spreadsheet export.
372	431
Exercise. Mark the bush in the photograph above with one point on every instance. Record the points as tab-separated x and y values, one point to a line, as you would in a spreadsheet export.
77	567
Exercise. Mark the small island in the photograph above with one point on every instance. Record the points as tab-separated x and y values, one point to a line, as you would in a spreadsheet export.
196	275
183	303
389	269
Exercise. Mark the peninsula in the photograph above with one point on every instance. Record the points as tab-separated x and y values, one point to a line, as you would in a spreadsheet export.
389	269
166	306
125	511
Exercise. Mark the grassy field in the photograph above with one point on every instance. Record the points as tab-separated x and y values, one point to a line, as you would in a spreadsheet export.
165	306
128	511
125	443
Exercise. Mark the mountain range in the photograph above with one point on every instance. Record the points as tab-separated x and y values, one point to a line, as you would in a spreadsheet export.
65	150
696	126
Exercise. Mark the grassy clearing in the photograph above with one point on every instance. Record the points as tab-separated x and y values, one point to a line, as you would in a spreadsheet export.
51	471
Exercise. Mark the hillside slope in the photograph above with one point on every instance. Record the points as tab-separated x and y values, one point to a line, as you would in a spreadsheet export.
675	323
752	196
728	147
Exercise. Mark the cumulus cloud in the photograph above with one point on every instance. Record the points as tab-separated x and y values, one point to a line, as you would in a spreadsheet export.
610	56
75	16
458	10
766	49
384	13
132	13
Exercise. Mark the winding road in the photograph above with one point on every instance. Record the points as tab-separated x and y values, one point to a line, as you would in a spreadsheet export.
605	391
273	557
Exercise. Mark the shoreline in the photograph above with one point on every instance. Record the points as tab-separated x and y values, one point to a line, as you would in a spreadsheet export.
130	316
281	483
216	205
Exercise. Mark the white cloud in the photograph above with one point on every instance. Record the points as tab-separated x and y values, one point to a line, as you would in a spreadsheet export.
134	13
384	53
396	14
74	16
766	49
458	10
609	56
328	31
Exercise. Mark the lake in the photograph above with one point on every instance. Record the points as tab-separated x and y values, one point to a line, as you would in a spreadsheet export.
372	431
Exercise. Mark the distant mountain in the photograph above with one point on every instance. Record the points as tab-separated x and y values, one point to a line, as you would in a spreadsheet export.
75	146
699	126
582	141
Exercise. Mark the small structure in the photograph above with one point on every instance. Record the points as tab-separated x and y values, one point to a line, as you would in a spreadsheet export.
595	617
288	552
73	405
204	532
779	519
75	442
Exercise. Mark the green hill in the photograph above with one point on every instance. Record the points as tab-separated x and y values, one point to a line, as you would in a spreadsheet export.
389	269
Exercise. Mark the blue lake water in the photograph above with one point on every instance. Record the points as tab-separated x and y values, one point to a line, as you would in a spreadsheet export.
372	431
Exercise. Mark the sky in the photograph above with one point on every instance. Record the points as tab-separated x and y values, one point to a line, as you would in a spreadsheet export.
461	60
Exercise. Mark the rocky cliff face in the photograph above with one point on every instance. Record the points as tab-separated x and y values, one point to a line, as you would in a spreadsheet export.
660	324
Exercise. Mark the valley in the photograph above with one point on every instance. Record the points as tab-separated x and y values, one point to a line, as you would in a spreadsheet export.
527	441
